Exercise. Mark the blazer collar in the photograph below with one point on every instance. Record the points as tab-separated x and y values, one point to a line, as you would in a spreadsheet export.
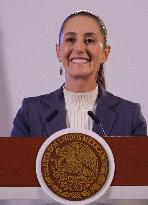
53	116
106	112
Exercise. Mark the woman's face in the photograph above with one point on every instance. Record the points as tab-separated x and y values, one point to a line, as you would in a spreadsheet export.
81	49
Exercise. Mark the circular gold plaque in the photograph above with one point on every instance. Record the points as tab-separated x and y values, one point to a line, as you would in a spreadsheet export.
74	166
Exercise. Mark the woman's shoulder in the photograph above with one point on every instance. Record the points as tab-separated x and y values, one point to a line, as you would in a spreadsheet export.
44	97
112	99
37	103
123	100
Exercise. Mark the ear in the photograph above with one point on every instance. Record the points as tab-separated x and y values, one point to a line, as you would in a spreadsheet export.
105	54
58	51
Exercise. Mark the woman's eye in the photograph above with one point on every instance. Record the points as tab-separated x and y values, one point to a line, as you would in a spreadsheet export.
71	40
89	41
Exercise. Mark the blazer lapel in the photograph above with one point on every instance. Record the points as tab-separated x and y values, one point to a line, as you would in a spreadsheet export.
105	112
53	117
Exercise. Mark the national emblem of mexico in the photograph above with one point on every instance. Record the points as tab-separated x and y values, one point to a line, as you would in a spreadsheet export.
74	166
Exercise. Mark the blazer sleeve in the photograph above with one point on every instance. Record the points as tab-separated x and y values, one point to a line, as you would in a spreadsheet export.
20	123
139	126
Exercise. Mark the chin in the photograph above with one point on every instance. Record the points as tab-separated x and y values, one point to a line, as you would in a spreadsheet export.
79	70
80	75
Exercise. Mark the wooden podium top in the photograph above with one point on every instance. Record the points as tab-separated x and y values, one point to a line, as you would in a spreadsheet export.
18	161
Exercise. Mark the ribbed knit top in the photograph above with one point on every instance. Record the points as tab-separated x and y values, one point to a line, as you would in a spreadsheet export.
77	105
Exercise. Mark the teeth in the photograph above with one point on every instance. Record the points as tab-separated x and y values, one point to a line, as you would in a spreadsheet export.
81	61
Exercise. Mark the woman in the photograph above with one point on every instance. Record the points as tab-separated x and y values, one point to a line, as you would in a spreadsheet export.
83	101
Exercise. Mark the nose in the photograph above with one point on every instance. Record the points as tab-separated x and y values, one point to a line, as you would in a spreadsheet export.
79	46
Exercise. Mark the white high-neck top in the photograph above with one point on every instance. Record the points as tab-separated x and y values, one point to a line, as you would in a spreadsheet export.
77	105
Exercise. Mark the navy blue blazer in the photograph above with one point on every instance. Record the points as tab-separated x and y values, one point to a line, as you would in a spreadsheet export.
46	114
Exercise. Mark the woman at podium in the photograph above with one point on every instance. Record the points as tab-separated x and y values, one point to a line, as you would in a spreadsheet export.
83	101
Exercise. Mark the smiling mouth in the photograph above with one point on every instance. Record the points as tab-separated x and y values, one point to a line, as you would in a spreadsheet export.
80	60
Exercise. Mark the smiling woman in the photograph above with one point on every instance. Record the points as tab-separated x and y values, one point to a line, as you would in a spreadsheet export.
83	101
83	49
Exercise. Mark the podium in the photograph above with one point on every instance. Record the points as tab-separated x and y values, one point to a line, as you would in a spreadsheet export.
18	176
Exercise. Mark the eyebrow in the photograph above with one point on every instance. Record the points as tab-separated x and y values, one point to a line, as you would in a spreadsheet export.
85	34
90	34
69	33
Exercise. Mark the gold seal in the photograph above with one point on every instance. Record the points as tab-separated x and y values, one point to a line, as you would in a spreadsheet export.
75	166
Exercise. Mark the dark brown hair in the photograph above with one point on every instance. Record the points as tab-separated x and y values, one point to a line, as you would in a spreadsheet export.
102	28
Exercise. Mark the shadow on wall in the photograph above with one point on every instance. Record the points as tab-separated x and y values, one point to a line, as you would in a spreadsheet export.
4	94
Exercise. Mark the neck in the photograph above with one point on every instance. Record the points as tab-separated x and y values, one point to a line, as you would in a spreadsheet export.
80	85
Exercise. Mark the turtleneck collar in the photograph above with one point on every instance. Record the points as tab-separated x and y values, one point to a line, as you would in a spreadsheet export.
80	101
